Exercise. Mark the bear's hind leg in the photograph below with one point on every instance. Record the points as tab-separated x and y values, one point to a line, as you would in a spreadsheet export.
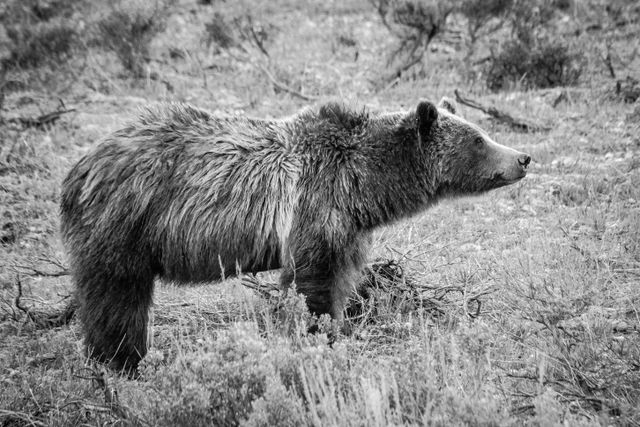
115	313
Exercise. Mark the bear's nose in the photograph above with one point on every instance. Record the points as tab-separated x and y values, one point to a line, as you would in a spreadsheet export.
524	160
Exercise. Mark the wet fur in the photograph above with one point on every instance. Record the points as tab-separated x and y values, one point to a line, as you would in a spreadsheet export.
190	197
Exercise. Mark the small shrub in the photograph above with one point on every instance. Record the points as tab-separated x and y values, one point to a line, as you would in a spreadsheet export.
628	90
533	55
128	32
35	11
32	47
242	376
217	384
293	316
45	10
41	42
278	407
542	64
38	33
219	32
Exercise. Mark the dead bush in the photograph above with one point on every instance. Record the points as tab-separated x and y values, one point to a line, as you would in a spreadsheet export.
415	23
387	291
128	31
235	30
480	13
239	29
483	17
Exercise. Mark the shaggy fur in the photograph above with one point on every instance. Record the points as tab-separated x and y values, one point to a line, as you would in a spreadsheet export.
190	197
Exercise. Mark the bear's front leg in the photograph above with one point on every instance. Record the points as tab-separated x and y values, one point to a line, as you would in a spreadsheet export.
325	274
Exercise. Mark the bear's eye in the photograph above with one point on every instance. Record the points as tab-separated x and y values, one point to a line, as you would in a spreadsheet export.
479	142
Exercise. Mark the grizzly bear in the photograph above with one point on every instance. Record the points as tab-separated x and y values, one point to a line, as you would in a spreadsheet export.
188	196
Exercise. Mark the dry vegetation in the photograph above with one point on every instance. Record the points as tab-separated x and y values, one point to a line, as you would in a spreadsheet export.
519	307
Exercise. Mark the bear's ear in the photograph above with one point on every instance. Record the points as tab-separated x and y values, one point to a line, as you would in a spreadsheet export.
426	115
448	104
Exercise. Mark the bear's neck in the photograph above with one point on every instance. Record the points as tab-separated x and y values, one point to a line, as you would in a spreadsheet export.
395	178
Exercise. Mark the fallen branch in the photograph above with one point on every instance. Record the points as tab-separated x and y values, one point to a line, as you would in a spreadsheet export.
516	123
41	121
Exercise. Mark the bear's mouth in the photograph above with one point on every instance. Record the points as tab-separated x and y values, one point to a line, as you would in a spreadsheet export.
512	180
500	180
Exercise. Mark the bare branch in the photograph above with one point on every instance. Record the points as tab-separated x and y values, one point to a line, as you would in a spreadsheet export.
608	61
18	303
281	86
257	41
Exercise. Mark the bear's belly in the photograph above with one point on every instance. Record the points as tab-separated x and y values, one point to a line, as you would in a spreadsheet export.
214	264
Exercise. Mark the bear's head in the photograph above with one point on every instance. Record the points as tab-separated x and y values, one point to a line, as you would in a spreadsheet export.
467	160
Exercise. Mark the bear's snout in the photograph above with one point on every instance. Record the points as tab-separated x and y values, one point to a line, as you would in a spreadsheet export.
510	166
524	160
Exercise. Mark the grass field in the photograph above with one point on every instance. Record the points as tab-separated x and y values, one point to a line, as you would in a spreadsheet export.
530	295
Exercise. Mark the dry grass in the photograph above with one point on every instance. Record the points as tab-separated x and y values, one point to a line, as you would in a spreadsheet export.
519	307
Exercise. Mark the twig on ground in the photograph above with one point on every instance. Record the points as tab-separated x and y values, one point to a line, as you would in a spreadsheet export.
516	123
53	261
560	98
264	288
32	271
